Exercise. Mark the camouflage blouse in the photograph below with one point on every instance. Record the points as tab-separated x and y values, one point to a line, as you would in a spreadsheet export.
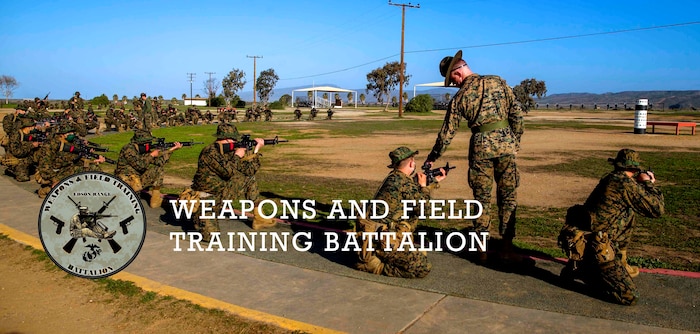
398	186
615	200
482	100
217	169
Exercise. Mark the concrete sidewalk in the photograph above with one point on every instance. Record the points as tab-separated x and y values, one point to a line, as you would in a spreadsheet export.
333	297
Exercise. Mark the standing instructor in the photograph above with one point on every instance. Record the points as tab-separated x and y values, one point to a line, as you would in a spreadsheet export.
488	105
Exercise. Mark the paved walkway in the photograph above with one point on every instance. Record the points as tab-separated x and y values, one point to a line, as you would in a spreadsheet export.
316	292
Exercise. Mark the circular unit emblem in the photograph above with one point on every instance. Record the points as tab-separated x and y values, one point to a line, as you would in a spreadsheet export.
92	224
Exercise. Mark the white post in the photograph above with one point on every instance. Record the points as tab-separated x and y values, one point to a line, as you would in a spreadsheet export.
640	116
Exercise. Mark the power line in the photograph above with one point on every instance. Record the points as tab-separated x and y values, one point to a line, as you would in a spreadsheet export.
501	44
560	37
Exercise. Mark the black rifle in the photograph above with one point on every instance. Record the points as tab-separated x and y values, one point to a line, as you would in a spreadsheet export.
161	144
249	143
37	136
84	149
432	173
68	247
105	205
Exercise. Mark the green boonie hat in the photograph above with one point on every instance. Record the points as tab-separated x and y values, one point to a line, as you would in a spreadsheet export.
227	131
64	128
399	155
447	64
142	136
21	107
626	159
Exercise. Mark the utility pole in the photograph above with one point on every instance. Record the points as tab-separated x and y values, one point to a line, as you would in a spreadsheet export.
191	76
401	66
209	84
255	58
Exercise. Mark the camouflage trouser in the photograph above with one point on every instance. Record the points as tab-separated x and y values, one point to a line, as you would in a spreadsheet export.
249	190
406	263
152	177
612	279
394	263
23	169
206	226
481	176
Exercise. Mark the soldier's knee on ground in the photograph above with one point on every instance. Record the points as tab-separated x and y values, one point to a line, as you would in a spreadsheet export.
134	181
206	227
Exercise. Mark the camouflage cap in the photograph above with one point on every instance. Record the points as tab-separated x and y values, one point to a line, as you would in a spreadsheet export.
447	64
21	107
77	93
626	159
64	128
227	131
399	155
141	136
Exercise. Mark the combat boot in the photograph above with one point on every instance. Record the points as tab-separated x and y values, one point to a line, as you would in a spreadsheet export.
156	199
373	265
507	256
259	222
632	270
43	191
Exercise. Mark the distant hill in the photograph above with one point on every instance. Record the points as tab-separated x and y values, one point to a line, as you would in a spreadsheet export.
684	99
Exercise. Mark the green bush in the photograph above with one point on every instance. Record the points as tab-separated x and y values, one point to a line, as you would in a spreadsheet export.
240	104
420	103
277	105
218	101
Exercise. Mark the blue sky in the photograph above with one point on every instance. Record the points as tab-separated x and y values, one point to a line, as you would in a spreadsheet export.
127	47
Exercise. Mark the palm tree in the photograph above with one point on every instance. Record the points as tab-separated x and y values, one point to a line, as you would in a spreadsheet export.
362	98
350	97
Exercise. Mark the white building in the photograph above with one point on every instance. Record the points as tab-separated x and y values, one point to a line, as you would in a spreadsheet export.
195	101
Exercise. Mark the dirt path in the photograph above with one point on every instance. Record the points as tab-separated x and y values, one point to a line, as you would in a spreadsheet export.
37	297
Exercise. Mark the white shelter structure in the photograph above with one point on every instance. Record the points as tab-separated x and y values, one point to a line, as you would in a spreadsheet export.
429	84
325	89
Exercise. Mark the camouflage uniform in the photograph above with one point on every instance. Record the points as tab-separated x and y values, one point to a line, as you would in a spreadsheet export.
488	105
297	114
56	162
8	126
137	167
146	115
223	175
397	186
23	150
612	207
110	120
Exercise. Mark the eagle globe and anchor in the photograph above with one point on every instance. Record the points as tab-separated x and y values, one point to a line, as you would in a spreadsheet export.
92	224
